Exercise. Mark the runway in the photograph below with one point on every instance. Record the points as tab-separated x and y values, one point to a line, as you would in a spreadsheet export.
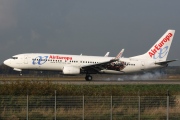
100	82
115	82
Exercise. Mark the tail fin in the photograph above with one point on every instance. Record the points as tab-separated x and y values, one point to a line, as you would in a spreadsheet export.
159	51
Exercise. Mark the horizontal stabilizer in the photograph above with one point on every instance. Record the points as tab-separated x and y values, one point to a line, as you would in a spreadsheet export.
165	62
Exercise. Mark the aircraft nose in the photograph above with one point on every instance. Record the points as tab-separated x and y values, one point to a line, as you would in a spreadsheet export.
6	62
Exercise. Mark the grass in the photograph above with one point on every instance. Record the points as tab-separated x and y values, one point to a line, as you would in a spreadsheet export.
95	113
48	88
126	108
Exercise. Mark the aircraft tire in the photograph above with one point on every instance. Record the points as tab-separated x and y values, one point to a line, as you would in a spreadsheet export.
88	77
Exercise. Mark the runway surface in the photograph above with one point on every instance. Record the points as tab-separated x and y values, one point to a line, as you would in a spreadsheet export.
115	82
101	82
97	80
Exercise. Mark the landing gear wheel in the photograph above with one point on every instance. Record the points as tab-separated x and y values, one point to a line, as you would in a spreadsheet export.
20	74
88	77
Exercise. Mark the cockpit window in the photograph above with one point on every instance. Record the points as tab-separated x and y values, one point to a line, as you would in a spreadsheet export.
14	57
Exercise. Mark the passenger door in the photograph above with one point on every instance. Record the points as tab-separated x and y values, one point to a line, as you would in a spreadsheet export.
25	59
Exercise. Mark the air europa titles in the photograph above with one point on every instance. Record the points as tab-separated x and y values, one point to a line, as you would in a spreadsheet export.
160	45
59	57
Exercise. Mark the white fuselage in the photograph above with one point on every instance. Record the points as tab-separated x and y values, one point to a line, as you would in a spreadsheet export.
41	61
155	57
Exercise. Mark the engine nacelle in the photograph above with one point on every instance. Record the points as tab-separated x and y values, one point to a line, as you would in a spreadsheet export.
71	70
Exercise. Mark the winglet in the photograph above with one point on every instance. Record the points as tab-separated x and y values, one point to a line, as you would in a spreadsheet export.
120	54
106	55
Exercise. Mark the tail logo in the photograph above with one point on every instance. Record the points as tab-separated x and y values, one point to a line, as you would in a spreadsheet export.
162	53
159	46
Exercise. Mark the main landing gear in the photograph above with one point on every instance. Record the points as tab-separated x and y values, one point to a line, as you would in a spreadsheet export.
20	73
88	77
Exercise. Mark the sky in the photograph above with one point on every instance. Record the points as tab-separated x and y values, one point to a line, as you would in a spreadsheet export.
90	27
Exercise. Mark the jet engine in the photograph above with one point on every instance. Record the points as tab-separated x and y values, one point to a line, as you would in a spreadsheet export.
71	70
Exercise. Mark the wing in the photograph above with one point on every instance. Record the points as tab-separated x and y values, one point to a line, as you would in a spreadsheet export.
99	66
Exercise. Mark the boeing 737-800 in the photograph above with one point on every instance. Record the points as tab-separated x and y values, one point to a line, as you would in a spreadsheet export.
154	58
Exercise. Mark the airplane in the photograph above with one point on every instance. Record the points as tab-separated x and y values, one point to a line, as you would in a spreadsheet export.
154	58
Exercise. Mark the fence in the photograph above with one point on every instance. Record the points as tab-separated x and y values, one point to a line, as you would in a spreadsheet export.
89	107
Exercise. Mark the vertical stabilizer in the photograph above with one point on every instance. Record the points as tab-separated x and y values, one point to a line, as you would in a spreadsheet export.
159	51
